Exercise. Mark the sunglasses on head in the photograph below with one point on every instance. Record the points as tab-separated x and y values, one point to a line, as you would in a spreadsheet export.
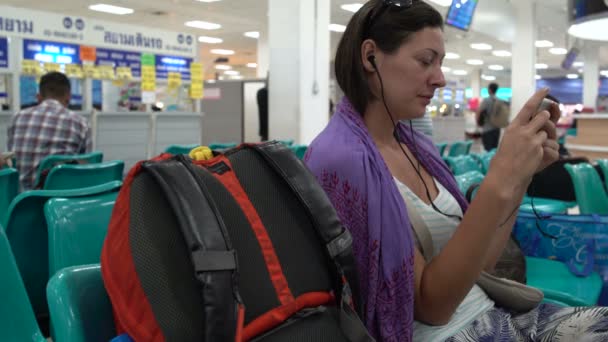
385	4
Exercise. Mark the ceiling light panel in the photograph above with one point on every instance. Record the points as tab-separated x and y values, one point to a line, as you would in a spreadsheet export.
558	51
210	40
543	44
474	62
111	9
351	7
501	53
222	52
252	34
451	55
203	25
337	28
496	67
481	46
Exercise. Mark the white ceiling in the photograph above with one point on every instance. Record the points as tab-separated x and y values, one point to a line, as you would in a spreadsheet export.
495	18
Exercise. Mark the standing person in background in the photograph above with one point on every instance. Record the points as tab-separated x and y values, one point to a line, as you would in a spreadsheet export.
490	135
262	97
46	129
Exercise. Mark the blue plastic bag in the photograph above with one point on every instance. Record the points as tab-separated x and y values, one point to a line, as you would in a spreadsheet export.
581	241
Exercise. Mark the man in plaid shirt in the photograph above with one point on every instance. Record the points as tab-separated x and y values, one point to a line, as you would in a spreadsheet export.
49	128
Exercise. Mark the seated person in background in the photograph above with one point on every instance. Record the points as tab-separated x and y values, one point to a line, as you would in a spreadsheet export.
46	129
388	63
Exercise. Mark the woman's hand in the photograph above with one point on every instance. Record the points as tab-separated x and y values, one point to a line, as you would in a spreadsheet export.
529	145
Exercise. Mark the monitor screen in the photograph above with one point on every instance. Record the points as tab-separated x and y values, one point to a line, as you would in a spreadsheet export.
460	14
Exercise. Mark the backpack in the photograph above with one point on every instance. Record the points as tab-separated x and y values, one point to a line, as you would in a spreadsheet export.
499	113
243	246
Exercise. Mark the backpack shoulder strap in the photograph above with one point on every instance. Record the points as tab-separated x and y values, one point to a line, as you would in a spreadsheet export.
337	239
211	252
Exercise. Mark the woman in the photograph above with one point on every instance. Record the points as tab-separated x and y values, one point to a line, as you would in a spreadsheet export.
389	65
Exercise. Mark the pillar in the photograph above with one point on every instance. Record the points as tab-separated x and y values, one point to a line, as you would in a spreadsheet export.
591	74
523	69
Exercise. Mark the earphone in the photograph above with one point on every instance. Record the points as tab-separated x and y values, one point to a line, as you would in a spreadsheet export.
372	60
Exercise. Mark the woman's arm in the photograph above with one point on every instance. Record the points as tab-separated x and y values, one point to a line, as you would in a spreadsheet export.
441	285
497	246
528	146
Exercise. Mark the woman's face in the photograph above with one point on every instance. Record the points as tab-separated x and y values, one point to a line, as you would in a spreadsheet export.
412	73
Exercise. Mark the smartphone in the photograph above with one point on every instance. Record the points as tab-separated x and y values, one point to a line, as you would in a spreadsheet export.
545	105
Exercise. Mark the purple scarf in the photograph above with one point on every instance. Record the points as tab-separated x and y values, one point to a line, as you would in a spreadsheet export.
347	163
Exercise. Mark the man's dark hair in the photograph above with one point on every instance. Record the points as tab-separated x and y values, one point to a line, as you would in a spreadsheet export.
493	88
54	85
389	29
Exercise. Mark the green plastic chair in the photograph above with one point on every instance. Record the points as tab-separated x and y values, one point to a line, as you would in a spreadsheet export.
460	148
69	176
485	159
441	147
50	161
9	188
544	205
17	320
77	228
588	188
180	149
222	146
466	180
463	164
560	286
286	142
299	150
603	164
27	233
79	306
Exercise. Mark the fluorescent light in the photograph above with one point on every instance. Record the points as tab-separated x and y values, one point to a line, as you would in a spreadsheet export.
208	0
578	64
236	77
572	76
252	34
111	9
337	28
481	46
604	73
459	72
591	29
446	69
351	7
443	3
488	77
451	55
222	52
204	25
231	72
252	65
223	67
210	40
474	62
496	67
543	44
537	77
558	51
501	53
541	66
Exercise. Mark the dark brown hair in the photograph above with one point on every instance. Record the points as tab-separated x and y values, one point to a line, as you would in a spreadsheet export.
389	28
54	85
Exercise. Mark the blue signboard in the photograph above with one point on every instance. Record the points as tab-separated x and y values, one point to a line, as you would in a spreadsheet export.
461	13
118	58
3	52
167	64
51	52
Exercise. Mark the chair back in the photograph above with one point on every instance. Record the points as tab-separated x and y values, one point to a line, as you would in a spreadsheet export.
79	306
299	150
9	189
588	188
463	164
468	179
180	149
460	148
27	232
69	176
603	165
56	159
17	320
77	228
441	147
222	146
